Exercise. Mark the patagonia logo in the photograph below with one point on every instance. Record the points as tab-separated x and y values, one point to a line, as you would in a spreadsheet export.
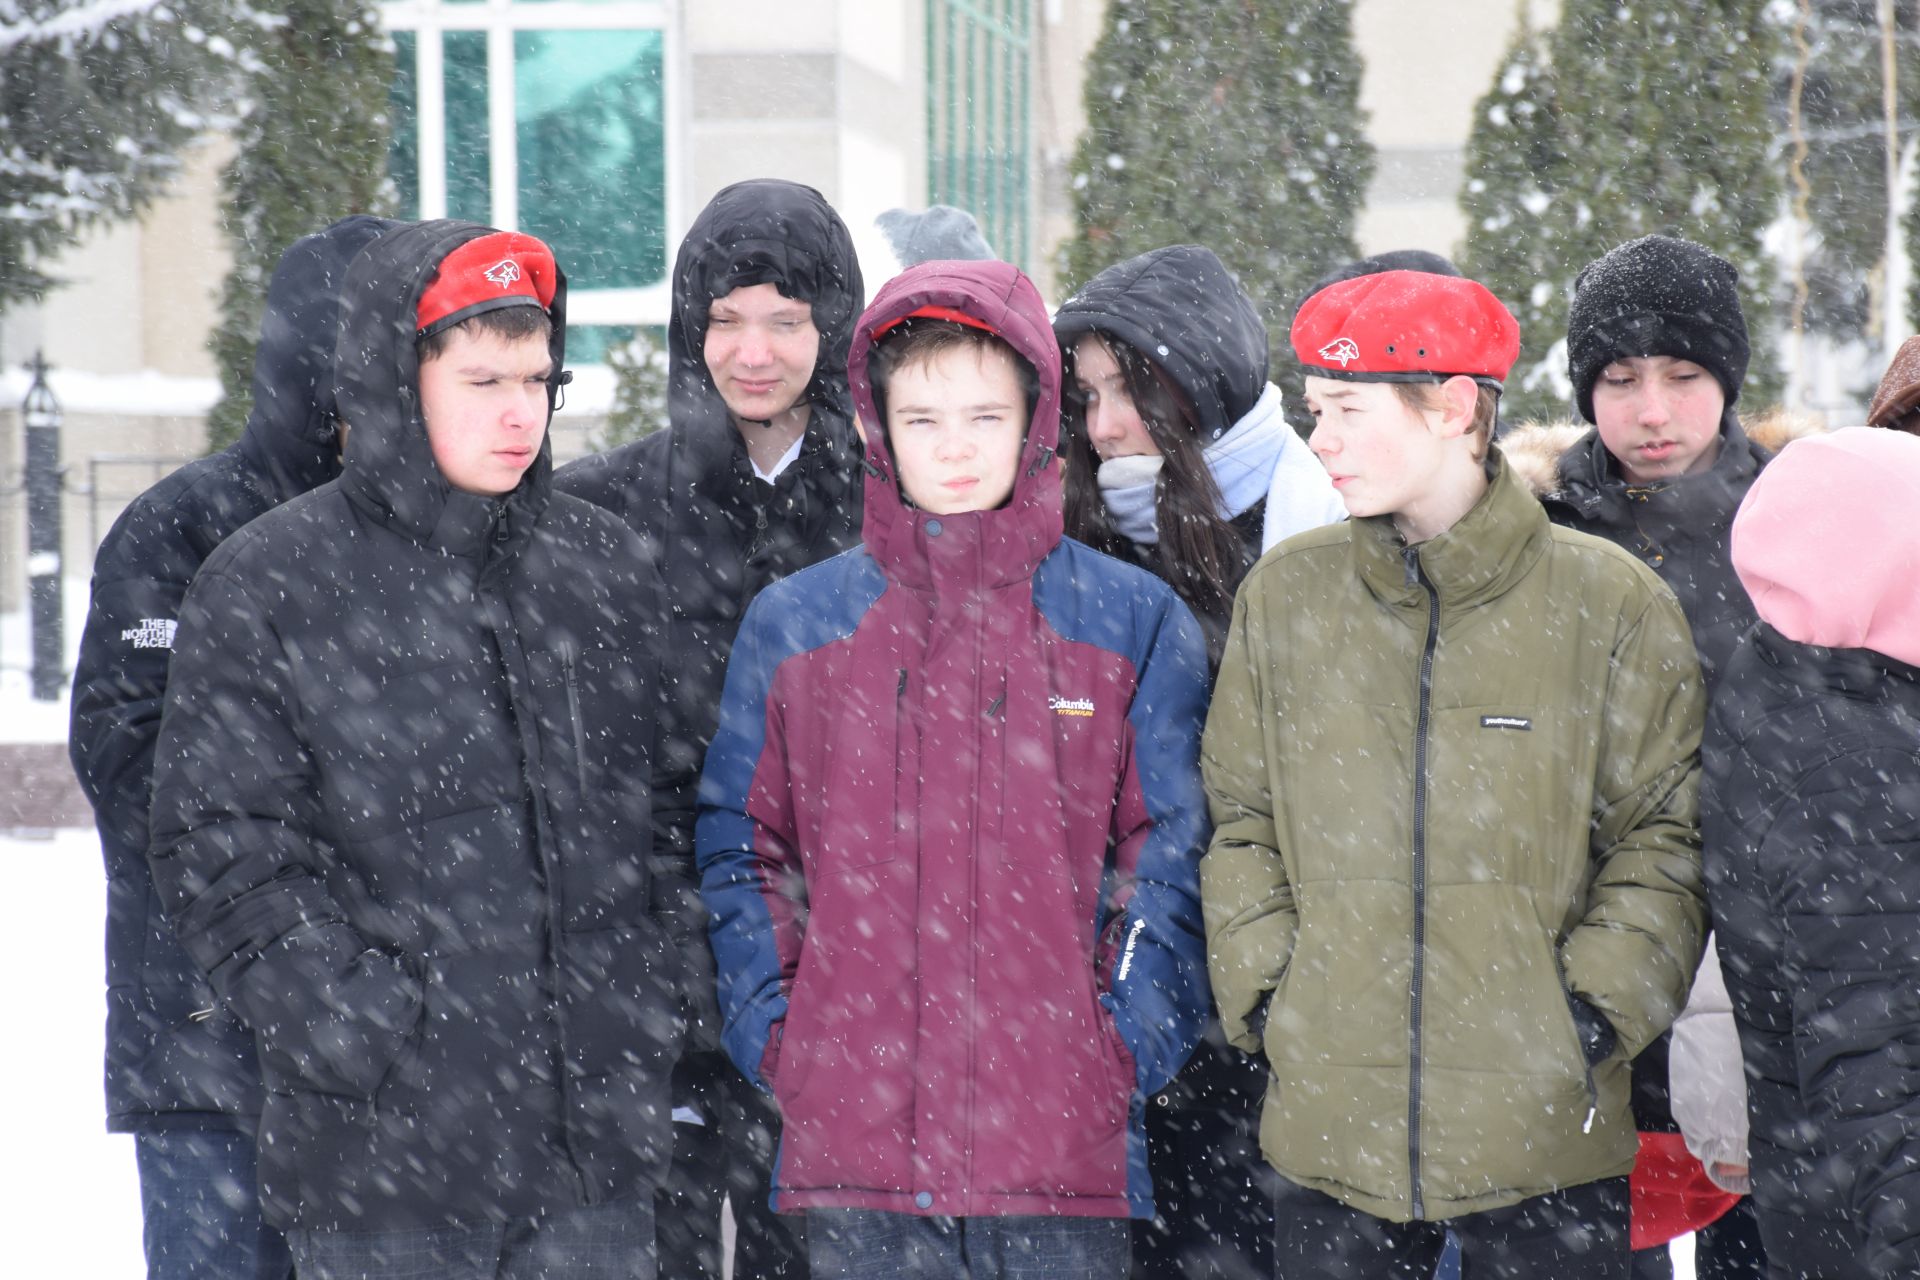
1506	722
1070	706
152	633
1126	957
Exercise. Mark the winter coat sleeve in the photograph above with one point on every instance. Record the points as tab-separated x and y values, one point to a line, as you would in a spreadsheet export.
118	688
1249	905
750	873
1153	967
239	858
1707	1078
1852	911
1634	952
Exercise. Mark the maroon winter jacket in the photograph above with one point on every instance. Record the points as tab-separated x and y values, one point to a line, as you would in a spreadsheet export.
949	834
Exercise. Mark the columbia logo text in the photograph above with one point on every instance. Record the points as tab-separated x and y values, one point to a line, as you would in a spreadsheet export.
1071	706
1133	940
1505	722
152	633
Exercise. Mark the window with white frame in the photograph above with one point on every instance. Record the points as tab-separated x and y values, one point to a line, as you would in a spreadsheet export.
549	117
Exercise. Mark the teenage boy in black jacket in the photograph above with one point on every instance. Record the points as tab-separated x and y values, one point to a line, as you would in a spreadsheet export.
758	475
181	1074
401	811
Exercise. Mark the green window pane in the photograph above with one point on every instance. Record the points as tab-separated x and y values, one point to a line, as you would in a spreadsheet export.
591	134
588	343
403	106
469	194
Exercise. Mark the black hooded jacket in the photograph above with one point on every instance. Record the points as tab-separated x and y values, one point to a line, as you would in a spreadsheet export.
720	533
1811	826
1681	528
401	819
175	1055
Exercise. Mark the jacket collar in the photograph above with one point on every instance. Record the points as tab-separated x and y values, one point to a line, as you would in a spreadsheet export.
1590	480
1479	559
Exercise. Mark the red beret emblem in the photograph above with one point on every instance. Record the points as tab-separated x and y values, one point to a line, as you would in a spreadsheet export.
1342	350
506	273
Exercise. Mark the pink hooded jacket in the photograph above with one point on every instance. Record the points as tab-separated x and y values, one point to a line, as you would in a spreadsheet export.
1828	545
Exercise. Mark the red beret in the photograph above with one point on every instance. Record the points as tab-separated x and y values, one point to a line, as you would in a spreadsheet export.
1406	326
504	269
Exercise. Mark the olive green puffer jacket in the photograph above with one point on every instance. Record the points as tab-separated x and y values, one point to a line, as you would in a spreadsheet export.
1451	784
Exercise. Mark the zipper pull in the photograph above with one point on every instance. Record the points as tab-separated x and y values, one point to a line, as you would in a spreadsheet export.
1410	557
902	690
1587	1125
994	706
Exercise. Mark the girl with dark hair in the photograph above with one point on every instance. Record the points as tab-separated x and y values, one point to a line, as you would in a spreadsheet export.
1178	459
1177	455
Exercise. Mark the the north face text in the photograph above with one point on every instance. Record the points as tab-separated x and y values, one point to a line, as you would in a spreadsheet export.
152	633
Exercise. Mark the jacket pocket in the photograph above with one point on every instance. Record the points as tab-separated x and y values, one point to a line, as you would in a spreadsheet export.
596	718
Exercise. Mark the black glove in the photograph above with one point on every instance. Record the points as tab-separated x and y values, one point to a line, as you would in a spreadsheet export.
1597	1036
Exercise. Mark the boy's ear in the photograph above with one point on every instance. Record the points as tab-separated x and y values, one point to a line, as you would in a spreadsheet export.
1459	396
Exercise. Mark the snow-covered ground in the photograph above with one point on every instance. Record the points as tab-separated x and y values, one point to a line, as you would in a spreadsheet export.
24	718
69	1196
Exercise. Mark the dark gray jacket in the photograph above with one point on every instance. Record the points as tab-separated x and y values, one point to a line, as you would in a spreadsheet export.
175	1054
401	820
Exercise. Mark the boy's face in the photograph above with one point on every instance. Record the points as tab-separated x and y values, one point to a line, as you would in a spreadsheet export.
1659	416
761	347
956	424
485	403
1381	455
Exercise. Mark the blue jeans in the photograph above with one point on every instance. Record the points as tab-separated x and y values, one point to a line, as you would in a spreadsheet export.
598	1242
859	1244
200	1208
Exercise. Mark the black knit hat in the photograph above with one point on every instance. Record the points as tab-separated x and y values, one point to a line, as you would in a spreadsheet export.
1657	296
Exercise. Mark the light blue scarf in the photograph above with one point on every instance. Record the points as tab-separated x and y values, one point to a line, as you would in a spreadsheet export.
1260	457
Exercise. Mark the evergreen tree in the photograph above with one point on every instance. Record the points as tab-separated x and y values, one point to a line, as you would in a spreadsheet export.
639	389
1660	124
96	102
312	148
1236	124
1843	120
1514	168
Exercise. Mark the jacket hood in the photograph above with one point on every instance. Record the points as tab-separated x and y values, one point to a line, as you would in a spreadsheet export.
1182	309
1899	390
763	232
1020	534
390	472
290	426
1826	544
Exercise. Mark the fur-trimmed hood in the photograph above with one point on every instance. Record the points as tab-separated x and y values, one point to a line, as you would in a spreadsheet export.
1536	450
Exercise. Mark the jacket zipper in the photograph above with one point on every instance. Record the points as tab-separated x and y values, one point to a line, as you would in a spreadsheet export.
514	659
759	530
1417	577
573	713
